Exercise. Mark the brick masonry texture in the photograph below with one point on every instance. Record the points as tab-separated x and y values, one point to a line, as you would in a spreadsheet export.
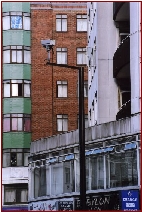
45	104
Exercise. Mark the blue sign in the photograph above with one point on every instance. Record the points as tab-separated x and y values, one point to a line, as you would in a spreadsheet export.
69	157
130	200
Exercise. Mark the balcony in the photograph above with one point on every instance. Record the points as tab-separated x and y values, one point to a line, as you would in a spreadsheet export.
125	111
121	60
121	16
120	11
116	9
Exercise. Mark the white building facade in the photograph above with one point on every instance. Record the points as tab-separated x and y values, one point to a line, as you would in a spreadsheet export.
113	60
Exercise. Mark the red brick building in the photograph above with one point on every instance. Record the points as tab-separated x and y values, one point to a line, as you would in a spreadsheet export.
55	89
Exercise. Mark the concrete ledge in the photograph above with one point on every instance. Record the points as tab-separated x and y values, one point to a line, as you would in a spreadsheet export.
105	130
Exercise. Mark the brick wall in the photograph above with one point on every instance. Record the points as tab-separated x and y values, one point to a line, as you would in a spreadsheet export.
45	105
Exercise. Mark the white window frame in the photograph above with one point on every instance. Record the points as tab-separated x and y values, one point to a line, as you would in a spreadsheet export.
62	89
61	23
17	54
81	23
11	88
81	56
61	55
62	123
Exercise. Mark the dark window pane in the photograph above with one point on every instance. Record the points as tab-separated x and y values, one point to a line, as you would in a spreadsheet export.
19	89
27	124
42	181
13	159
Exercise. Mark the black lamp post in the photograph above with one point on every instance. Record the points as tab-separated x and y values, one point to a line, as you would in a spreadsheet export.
81	133
48	44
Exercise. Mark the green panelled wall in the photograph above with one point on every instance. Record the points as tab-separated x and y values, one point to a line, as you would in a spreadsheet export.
16	140
16	6
18	71
17	105
16	37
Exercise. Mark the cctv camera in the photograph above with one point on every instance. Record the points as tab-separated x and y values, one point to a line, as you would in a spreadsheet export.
48	43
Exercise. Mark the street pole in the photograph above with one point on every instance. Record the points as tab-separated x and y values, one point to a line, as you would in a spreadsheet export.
81	133
82	141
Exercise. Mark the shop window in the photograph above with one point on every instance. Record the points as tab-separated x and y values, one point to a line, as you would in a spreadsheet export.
39	181
94	172
56	182
15	157
61	23
62	88
62	123
17	88
16	20
123	169
16	122
15	194
61	55
68	179
97	177
81	56
16	54
67	175
81	23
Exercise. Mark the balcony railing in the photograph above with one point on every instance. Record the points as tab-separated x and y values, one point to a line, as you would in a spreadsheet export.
125	111
121	58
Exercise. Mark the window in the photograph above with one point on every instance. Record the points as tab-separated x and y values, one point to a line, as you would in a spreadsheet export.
94	172
81	56
81	23
15	194
39	181
86	120
17	88
123	168
68	176
16	20
16	122
62	123
15	157
61	23
61	55
16	54
124	97
85	89
62	88
56	182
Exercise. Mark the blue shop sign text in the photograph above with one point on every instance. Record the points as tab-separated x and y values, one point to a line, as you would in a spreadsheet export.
130	200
